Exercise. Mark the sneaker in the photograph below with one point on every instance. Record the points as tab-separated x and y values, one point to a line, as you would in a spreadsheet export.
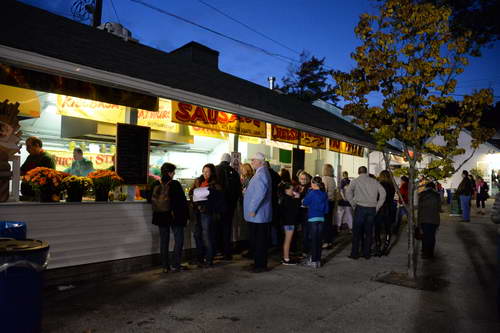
288	262
307	261
313	264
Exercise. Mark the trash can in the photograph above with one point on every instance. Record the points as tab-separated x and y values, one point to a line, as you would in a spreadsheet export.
449	195
455	209
13	229
21	282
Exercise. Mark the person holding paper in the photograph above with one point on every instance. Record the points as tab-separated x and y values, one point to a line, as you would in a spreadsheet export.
206	197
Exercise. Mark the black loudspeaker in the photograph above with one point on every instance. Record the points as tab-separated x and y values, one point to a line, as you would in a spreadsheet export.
298	157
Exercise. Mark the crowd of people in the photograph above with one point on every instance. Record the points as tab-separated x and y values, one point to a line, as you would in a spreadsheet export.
468	189
299	214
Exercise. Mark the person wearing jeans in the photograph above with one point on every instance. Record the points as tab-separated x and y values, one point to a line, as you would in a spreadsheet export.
316	202
178	231
465	191
366	195
170	212
204	237
208	199
362	231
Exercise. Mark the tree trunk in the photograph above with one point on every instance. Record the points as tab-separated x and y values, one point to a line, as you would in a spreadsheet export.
412	256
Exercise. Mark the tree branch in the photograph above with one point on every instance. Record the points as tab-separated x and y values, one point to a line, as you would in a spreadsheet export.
465	161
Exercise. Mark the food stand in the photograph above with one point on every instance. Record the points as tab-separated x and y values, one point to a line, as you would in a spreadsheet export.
194	113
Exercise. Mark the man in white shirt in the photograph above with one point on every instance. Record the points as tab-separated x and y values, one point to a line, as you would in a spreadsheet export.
366	196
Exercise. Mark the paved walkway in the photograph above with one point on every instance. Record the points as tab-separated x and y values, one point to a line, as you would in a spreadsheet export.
342	296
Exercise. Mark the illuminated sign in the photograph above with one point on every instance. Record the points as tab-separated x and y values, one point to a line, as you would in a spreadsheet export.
284	134
161	120
346	148
89	109
312	140
194	115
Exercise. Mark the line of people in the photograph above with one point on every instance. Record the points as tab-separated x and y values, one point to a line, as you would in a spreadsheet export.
468	189
301	215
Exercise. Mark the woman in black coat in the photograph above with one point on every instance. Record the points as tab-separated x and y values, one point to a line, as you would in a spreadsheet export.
170	212
386	215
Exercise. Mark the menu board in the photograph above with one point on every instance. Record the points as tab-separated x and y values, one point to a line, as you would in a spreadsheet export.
132	153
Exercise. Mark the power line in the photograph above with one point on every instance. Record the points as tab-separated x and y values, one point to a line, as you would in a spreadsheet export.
116	13
276	55
247	26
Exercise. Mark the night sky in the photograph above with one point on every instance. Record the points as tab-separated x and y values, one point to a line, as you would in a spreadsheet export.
324	28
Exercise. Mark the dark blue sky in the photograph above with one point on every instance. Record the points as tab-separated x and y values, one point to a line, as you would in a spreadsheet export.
322	27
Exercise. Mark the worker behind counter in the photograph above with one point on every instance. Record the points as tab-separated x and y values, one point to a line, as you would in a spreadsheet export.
37	158
81	166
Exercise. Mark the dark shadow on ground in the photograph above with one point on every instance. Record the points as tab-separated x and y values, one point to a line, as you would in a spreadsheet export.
483	264
157	290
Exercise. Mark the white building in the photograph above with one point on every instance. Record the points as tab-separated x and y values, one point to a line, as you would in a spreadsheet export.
486	158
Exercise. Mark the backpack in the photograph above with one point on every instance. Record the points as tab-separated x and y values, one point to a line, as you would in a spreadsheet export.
161	198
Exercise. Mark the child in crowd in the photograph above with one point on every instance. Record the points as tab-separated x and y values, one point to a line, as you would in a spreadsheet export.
289	211
316	201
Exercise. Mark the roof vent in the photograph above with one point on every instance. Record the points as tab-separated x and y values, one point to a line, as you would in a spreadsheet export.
118	30
197	53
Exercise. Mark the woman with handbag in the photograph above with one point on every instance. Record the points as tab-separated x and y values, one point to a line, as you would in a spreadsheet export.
170	212
482	195
206	196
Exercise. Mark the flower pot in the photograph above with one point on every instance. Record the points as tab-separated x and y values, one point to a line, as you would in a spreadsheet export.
101	194
74	196
48	196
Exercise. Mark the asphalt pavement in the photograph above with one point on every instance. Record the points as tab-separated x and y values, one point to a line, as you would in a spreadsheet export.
342	296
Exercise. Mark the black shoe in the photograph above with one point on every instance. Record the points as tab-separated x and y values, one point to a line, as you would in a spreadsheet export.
288	262
353	257
179	269
259	270
367	257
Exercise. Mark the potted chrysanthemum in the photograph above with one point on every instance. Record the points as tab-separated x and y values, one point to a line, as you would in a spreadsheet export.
46	183
103	182
76	187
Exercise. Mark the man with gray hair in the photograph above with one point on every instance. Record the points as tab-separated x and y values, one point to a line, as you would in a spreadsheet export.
258	211
366	195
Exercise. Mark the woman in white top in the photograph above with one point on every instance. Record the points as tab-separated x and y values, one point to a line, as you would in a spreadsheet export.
330	188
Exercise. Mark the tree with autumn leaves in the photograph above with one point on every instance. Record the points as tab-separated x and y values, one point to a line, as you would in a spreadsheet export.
410	57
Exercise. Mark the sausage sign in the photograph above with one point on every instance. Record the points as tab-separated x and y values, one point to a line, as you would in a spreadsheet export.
198	116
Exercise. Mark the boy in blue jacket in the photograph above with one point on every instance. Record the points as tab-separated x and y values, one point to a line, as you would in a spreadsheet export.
316	202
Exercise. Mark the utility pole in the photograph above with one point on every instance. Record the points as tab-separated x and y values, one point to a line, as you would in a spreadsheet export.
97	14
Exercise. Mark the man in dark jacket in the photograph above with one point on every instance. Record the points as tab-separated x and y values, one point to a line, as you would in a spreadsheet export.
37	158
170	211
229	180
276	234
465	191
429	206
